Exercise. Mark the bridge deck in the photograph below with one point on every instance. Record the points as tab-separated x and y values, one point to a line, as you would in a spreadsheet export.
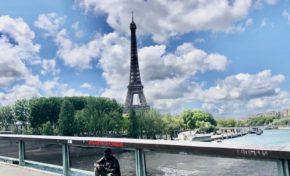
14	170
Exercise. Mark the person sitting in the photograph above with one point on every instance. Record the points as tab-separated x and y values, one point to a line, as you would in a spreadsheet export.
108	165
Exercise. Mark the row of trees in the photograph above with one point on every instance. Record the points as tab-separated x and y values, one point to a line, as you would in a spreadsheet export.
151	124
97	116
253	121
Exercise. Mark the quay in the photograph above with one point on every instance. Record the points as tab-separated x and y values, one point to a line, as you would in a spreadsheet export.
278	154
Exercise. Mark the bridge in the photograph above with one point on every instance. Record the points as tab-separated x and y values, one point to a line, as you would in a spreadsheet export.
279	154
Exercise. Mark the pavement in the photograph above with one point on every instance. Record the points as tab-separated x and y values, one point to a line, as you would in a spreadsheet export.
14	170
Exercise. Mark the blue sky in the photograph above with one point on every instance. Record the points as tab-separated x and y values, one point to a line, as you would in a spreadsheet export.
226	57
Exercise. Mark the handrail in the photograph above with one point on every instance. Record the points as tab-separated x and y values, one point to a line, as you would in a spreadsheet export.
203	148
279	153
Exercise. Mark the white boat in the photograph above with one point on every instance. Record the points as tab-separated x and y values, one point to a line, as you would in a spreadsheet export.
194	136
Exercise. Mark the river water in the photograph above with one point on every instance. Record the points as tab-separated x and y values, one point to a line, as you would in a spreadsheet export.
165	164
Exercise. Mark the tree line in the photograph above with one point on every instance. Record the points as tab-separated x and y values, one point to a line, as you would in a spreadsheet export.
253	121
97	116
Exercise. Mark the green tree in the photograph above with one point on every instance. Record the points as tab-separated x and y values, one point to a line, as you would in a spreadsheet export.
7	116
133	125
197	119
227	123
47	128
189	121
38	112
66	119
103	116
150	124
81	124
21	110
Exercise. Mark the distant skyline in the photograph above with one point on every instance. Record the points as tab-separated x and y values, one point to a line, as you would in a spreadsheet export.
228	57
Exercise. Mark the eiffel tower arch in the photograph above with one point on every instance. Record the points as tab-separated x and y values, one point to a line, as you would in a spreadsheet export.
135	87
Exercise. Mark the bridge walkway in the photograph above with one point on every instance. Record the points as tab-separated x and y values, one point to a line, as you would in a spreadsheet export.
14	170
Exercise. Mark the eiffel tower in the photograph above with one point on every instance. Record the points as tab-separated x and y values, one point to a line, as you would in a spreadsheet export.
135	86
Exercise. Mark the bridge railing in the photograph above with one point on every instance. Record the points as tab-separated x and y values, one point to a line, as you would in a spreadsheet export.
281	154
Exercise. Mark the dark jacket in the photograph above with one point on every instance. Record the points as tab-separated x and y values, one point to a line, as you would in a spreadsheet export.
111	165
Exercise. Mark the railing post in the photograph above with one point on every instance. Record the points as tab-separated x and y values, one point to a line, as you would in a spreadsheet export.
140	162
283	167
21	153
65	159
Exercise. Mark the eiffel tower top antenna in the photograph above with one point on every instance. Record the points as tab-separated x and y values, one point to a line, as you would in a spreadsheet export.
132	15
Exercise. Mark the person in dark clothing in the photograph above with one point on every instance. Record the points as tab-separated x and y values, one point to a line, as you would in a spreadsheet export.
108	165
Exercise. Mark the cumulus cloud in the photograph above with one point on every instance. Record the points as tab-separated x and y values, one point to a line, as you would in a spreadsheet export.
70	92
170	17
49	66
244	93
74	55
18	92
49	22
87	86
17	49
166	76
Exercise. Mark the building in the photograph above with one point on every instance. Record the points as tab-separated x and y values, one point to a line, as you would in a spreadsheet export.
269	114
286	113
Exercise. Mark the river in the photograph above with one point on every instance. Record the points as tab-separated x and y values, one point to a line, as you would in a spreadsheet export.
166	164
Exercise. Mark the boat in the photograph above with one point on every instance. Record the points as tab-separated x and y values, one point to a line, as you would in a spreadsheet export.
259	132
193	135
256	131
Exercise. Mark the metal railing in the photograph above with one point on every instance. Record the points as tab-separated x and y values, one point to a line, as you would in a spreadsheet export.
281	154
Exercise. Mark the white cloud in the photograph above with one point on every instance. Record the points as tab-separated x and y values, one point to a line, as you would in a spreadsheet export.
78	32
260	3
17	50
286	14
166	76
18	92
70	92
50	22
241	27
171	18
77	56
49	66
245	93
199	40
72	54
87	86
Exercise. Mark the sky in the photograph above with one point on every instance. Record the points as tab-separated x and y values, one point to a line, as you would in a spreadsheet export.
226	57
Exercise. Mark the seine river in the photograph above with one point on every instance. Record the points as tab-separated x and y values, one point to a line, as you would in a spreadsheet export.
167	164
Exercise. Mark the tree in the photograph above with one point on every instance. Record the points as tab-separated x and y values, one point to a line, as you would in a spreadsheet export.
189	121
133	125
172	125
227	123
21	110
81	124
150	124
196	119
38	112
47	128
7	116
66	119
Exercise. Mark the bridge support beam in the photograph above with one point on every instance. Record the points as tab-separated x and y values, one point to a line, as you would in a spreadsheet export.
140	162
283	167
65	159
21	153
